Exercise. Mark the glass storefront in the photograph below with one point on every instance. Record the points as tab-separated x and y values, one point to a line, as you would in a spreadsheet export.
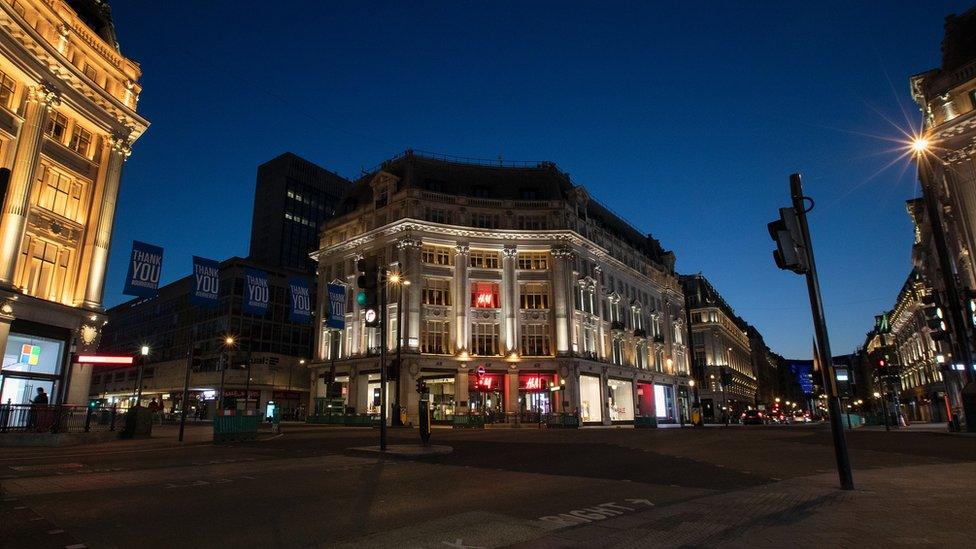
620	396
29	363
664	403
684	404
645	400
487	396
373	396
591	400
535	397
442	397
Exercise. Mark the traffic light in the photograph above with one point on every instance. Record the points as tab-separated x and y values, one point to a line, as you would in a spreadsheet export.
935	317
367	289
791	251
422	386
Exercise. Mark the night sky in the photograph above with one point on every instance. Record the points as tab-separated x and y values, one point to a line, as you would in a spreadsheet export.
684	118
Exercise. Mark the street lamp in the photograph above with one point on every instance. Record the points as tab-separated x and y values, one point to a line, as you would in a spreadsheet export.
143	353
402	284
224	357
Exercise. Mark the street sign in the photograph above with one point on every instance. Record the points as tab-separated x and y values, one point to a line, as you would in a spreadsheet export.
481	370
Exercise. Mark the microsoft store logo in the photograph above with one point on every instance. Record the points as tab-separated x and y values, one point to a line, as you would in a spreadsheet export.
30	354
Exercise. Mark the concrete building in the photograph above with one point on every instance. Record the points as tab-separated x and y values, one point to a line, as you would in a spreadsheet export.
68	119
720	341
526	296
275	347
292	198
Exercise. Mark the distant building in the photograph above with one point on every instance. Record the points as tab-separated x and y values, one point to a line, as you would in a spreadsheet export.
720	342
275	347
292	198
68	119
527	297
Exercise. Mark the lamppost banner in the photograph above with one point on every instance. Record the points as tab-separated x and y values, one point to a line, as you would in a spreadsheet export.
337	307
206	282
145	264
256	292
301	302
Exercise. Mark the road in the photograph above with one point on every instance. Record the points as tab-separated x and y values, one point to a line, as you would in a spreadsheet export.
755	486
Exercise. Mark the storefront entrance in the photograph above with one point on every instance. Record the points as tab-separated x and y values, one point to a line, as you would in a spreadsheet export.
30	363
487	396
620	396
645	400
535	396
591	399
442	398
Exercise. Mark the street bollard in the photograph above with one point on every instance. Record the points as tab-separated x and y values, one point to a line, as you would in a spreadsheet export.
88	416
424	419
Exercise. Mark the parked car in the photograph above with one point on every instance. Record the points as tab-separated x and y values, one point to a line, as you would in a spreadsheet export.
753	417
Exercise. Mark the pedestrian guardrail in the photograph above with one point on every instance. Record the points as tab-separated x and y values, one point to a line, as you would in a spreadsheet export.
350	420
58	418
562	421
468	421
645	422
234	427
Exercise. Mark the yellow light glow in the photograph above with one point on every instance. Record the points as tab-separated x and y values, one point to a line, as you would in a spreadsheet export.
394	278
229	340
920	145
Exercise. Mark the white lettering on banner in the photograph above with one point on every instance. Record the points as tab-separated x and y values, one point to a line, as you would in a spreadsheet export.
300	298
145	272
594	513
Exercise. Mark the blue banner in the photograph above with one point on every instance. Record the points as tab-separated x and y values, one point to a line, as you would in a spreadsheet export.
205	287
301	300
336	319
145	265
257	294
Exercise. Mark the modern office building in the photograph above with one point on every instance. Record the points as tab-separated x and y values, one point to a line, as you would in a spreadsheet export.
526	297
292	198
68	119
275	347
720	341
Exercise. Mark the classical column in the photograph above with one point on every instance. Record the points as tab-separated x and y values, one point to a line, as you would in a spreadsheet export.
598	311
40	100
461	325
510	306
357	327
561	270
409	251
121	147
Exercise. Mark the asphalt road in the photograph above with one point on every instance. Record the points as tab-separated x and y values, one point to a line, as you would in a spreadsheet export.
307	488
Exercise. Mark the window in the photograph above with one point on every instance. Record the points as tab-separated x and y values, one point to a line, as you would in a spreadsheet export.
437	291
535	340
436	255
618	355
484	338
90	72
435	215
80	141
7	88
57	123
61	195
533	260
480	191
531	222
484	220
534	296
640	352
435	337
484	260
46	269
528	194
484	295
972	98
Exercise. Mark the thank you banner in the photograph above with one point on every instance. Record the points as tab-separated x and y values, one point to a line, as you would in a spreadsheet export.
145	265
301	301
257	294
337	307
206	282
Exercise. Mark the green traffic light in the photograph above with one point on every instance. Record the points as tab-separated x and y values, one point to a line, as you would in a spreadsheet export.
361	298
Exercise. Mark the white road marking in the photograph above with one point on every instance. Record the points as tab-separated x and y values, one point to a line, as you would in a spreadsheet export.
597	512
458	544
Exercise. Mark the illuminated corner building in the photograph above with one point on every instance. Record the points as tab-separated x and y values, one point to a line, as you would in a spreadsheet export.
67	121
274	346
526	297
292	198
719	340
947	98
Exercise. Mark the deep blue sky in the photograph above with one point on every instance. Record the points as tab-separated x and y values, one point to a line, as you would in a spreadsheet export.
685	118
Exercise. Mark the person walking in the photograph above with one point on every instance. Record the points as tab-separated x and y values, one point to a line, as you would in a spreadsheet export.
37	404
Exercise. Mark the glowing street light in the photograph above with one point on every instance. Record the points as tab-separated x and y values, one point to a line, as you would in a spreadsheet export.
920	145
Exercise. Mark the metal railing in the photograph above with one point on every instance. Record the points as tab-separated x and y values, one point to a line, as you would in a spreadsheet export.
59	418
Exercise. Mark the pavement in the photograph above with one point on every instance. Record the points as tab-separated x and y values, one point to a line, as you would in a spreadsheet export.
756	486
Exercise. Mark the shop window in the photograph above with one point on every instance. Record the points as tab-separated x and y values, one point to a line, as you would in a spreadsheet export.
664	403
620	396
484	339
32	355
484	295
57	124
534	296
591	400
481	259
435	337
533	260
437	291
436	255
535	340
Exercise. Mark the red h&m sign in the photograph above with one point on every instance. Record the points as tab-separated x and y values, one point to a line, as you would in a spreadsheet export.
535	382
486	383
484	295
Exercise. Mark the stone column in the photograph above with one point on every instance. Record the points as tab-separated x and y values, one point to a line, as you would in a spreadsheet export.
461	390
461	293
510	306
40	100
598	312
512	405
356	327
121	147
409	252
560	294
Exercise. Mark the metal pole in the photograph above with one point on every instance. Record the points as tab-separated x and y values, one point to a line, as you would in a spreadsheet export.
142	359
223	371
184	400
247	383
399	335
381	273
725	398
823	342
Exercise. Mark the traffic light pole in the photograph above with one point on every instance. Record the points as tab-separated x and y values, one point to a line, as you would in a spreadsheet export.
381	273
186	377
823	343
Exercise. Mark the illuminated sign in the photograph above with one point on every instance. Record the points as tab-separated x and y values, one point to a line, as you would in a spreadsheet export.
535	382
30	354
485	383
484	295
103	359
370	316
